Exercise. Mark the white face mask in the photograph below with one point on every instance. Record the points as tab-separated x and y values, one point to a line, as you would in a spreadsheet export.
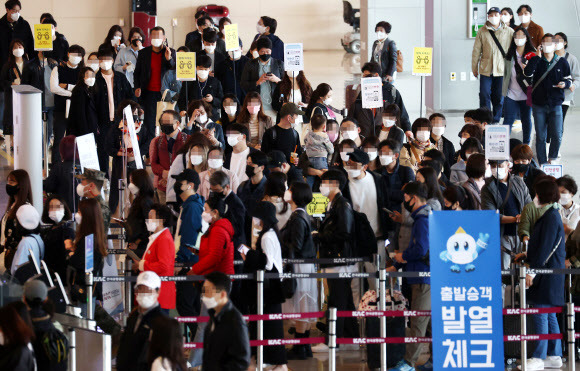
81	190
325	190
146	301
287	196
488	172
230	110
210	303
327	101
255	54
106	65
215	163
422	136
499	173
351	134
386	160
344	156
206	217
462	140
372	155
202	74
202	119
381	35
260	29
520	42
537	201
151	225
237	54
209	48
90	81
505	19
438	130
254	109
233	140
494	20
56	215
388	123
133	189
18	52
256	232
525	18
156	42
75	60
78	218
559	46
565	198
93	66
548	48
354	173
15	16
196	159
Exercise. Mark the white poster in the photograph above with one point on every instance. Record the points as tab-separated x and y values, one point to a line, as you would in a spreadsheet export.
112	294
87	149
293	57
133	135
497	142
557	171
371	92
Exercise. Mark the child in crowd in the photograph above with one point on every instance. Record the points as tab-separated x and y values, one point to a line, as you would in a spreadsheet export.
318	146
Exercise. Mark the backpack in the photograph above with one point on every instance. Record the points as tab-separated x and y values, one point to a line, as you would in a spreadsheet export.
55	346
364	237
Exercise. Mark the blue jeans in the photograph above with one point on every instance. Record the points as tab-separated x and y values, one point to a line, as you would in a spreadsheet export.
317	163
511	109
490	94
546	323
548	122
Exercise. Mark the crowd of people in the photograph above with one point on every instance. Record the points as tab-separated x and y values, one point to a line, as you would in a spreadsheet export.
231	169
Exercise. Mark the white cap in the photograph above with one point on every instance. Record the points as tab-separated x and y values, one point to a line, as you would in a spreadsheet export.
149	279
28	217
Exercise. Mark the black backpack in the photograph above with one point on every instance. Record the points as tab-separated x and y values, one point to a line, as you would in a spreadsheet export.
55	346
364	239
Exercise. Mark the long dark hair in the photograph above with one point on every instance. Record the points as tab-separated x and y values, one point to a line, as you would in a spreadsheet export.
529	47
24	194
195	139
244	114
511	12
321	91
276	186
11	58
167	343
81	80
67	214
431	181
267	226
92	223
142	180
14	328
303	84
224	118
114	29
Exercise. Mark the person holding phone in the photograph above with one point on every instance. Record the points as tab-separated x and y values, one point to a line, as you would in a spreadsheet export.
199	112
127	57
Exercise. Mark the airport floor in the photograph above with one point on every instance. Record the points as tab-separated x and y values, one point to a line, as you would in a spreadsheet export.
336	68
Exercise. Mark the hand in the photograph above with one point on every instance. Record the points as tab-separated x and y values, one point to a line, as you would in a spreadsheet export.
243	256
526	238
572	87
135	262
475	73
183	113
126	66
167	53
529	281
396	216
391	269
211	73
138	92
518	218
262	79
273	78
285	168
519	257
208	98
567	263
163	182
165	174
399	258
409	134
62	85
132	246
389	78
561	85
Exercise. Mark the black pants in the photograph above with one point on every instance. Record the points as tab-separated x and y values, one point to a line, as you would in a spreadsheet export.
188	303
340	297
58	128
116	174
149	101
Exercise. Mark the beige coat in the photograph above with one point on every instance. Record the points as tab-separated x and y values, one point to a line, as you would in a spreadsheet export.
486	58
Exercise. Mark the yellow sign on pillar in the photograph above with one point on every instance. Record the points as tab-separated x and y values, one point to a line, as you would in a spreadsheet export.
185	66
318	205
423	61
43	37
232	39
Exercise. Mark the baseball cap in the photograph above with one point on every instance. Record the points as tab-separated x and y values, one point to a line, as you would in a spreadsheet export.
493	9
359	156
92	174
276	158
190	175
290	109
149	279
28	217
35	289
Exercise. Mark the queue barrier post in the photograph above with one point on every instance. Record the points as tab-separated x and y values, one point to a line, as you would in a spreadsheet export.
383	319
72	355
523	329
128	298
332	339
260	350
89	288
570	317
377	264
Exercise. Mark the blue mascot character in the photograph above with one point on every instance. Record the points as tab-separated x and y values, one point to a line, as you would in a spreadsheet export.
463	250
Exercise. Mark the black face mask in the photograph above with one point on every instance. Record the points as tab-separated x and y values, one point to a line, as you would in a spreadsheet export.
520	168
167	129
408	206
447	207
265	57
12	190
177	189
250	172
135	41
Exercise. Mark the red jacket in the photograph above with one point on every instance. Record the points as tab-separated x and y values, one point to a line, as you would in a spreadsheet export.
160	258
216	251
160	157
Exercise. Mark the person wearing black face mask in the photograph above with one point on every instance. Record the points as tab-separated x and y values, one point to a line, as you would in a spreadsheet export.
263	74
522	157
252	190
454	197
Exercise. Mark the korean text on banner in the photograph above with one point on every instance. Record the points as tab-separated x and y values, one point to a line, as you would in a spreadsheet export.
466	290
557	171
185	66
318	205
293	57
89	253
87	149
232	38
497	142
422	61
42	37
133	136
371	92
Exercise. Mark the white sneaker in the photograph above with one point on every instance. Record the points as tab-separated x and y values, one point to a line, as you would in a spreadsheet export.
533	364
553	362
320	348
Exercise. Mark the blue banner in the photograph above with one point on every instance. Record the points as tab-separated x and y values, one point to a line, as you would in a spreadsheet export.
466	290
89	259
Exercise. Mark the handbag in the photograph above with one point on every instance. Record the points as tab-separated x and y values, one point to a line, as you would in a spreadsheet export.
162	106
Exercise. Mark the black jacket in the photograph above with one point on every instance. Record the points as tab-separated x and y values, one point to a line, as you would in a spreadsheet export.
7	76
60	181
388	57
142	72
225	73
134	344
195	46
59	49
277	46
219	57
136	228
394	184
227	345
121	90
251	74
191	37
15	30
296	237
17	358
42	325
198	90
335	235
396	133
236	213
33	73
449	153
545	94
83	117
530	177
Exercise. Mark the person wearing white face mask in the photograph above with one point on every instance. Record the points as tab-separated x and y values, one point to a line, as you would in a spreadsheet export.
561	41
115	40
208	48
59	237
83	116
412	153
266	28
126	58
551	76
384	51
318	147
535	30
477	170
390	128
215	163
487	61
199	113
135	338
320	103
495	196
349	129
230	110
507	17
229	73
570	210
470	147
253	117
11	75
438	125
141	187
237	150
370	145
14	27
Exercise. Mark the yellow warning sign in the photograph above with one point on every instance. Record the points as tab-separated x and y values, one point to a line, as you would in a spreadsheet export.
231	34
318	205
423	61
43	37
185	66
